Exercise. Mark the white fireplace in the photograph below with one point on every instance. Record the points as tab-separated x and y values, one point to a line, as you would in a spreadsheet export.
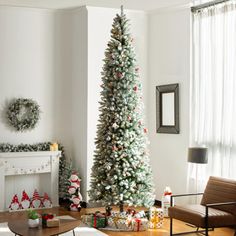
22	169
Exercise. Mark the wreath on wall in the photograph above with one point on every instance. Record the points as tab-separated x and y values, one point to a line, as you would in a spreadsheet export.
23	114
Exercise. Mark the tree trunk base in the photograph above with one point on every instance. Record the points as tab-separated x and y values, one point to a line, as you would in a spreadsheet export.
121	207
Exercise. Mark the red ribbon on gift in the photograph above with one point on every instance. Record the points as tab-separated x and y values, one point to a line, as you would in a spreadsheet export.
48	217
94	221
138	221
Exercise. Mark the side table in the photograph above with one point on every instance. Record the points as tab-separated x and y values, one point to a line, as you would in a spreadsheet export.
21	228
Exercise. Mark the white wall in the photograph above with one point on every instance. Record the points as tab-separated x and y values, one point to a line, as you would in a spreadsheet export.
63	79
27	67
169	62
80	93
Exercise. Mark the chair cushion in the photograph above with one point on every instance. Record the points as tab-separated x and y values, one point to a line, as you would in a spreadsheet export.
195	214
220	190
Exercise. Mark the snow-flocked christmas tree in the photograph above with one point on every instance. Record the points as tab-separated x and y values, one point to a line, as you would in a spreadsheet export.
121	173
64	174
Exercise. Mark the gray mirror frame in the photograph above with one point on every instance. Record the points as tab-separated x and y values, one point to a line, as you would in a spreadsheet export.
169	88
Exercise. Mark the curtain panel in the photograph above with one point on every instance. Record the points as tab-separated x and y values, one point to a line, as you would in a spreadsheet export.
213	92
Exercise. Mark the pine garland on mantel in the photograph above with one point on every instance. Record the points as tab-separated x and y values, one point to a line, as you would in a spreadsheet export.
65	166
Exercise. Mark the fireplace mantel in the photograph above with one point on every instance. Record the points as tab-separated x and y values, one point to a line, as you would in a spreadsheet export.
28	163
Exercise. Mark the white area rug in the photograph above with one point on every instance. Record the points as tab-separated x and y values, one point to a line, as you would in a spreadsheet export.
4	230
85	231
79	231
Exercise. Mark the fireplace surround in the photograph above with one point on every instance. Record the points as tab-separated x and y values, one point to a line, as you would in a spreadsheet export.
28	164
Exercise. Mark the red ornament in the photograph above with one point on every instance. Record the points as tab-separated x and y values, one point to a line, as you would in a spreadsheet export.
145	130
119	74
114	148
135	88
129	118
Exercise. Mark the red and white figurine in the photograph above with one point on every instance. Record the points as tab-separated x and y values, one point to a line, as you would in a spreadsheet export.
25	200
47	203
73	207
74	191
36	201
15	205
76	199
75	180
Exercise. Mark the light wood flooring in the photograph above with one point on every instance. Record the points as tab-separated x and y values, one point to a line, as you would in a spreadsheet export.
164	231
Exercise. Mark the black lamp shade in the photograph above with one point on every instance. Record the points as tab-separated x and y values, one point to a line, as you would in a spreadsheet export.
197	155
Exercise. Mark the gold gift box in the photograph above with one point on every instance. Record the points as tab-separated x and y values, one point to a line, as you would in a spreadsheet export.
53	223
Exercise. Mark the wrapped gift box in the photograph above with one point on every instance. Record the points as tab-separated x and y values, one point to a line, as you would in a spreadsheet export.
53	223
96	220
49	220
120	221
156	218
140	224
87	219
127	222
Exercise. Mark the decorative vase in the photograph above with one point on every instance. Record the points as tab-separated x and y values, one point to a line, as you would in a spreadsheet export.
33	223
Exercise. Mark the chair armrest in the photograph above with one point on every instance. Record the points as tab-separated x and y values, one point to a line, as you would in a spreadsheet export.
182	195
216	204
220	204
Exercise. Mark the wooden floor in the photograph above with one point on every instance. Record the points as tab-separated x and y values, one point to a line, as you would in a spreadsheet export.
164	231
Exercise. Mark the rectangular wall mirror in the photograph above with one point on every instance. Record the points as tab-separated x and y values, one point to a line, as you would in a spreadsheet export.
167	105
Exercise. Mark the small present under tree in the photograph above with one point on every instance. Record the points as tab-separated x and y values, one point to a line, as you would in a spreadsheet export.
121	172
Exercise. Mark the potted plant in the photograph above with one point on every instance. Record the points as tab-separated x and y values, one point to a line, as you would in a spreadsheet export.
33	219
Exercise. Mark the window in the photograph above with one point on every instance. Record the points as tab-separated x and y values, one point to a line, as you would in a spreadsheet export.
213	88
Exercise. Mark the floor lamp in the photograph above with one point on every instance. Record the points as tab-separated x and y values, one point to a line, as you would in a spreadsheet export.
197	155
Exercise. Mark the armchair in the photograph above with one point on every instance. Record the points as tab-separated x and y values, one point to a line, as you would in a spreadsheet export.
217	207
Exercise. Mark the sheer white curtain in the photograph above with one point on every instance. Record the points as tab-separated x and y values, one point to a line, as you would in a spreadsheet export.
213	92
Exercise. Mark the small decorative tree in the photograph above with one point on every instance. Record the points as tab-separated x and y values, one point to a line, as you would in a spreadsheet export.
121	173
64	175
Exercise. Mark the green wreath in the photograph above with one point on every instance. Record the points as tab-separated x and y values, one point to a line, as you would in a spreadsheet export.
23	114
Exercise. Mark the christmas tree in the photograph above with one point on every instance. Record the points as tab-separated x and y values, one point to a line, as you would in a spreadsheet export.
121	174
64	174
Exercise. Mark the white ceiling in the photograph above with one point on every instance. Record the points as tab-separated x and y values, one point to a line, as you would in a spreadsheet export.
146	5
